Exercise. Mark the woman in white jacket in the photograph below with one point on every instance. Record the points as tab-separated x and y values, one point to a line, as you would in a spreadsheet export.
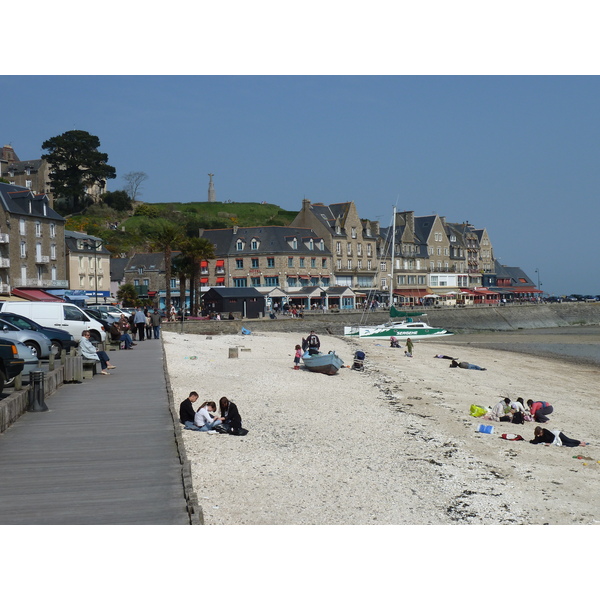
204	419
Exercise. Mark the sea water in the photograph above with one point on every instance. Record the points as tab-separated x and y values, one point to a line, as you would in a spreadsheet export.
571	344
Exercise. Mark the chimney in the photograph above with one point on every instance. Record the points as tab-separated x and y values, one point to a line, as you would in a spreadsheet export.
235	229
305	204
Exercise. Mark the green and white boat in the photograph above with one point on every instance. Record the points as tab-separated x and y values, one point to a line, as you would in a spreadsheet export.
398	329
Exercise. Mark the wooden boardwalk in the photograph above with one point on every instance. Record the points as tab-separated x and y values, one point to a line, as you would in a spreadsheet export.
105	452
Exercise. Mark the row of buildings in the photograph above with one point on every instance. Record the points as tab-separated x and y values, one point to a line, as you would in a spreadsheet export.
328	256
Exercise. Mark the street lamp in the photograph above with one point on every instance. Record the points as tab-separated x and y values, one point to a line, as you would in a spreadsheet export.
95	247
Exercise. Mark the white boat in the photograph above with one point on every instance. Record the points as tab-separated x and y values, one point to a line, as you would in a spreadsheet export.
398	329
329	364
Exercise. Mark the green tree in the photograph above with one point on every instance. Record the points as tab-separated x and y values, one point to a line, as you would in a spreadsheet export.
127	294
75	164
183	269
196	250
165	238
118	200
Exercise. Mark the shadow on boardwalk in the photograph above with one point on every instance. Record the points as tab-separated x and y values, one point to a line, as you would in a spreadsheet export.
104	453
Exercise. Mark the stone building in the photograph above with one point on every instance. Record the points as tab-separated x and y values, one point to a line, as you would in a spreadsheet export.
352	240
88	265
266	258
32	243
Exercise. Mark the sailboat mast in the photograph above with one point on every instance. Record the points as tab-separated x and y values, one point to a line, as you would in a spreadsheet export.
393	249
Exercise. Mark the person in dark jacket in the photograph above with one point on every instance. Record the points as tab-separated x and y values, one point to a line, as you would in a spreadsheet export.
543	436
230	417
187	412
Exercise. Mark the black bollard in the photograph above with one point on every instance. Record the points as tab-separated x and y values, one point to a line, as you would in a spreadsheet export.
36	392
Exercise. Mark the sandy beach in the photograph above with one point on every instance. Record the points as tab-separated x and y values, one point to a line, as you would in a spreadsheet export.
393	444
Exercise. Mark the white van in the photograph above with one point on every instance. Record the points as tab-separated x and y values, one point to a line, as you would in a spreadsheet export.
64	316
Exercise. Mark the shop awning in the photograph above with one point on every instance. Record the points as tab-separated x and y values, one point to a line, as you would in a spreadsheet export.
220	280
204	264
412	293
220	263
35	295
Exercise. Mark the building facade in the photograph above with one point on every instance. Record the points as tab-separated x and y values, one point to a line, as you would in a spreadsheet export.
32	241
88	265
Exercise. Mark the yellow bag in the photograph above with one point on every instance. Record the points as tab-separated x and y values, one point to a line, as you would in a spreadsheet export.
477	411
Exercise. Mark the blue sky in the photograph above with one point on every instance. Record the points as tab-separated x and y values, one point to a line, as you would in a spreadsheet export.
517	155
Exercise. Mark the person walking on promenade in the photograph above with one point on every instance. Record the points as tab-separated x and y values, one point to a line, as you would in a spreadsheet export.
540	410
87	350
139	320
156	319
148	324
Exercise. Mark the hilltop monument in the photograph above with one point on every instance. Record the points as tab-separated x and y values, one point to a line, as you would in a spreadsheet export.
211	189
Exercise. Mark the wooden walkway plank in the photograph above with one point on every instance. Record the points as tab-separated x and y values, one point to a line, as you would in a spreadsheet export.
105	452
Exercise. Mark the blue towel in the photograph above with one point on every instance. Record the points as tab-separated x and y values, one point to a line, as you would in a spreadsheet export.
245	331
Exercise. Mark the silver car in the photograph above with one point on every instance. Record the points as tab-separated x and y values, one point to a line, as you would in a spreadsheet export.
24	352
39	343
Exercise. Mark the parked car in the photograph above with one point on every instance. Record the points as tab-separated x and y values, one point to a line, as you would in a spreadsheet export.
30	361
109	309
10	363
62	315
60	339
105	319
39	343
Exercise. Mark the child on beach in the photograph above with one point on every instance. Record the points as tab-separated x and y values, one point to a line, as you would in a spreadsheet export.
297	357
409	348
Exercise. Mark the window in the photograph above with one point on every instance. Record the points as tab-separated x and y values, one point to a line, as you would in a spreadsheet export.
349	248
274	281
321	245
302	262
369	250
239	263
323	263
254	263
140	270
23	249
22	229
136	282
401	279
353	232
369	265
349	263
359	264
174	283
254	245
292	282
313	263
81	281
255	281
383	266
421	279
338	247
412	280
52	230
359	249
271	262
145	282
311	244
239	245
339	263
240	282
28	183
53	251
290	261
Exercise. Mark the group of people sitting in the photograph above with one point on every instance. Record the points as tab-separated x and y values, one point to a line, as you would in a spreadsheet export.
514	411
206	418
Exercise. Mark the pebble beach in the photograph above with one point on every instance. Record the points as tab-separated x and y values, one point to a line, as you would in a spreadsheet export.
391	445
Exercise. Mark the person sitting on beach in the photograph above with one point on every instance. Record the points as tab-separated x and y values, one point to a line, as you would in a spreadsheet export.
394	343
465	365
187	414
231	421
204	420
539	410
501	411
87	350
558	438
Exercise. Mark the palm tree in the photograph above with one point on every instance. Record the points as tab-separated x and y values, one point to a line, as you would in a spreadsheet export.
183	268
165	238
127	295
196	250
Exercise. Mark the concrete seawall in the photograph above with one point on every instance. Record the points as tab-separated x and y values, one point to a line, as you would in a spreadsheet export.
471	318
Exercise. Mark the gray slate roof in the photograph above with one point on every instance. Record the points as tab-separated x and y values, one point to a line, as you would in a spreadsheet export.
17	200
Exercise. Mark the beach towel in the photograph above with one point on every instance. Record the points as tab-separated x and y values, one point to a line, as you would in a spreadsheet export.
515	437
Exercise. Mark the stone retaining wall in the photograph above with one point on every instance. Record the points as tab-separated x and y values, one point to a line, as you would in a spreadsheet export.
470	318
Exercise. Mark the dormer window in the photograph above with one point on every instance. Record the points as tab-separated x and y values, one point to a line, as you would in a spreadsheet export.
338	230
310	244
239	245
295	244
354	232
254	244
321	245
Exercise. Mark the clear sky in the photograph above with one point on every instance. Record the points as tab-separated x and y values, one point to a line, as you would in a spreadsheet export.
431	107
517	155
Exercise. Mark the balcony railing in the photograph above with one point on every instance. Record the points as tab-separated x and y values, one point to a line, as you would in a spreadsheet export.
4	263
4	238
41	283
43	259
